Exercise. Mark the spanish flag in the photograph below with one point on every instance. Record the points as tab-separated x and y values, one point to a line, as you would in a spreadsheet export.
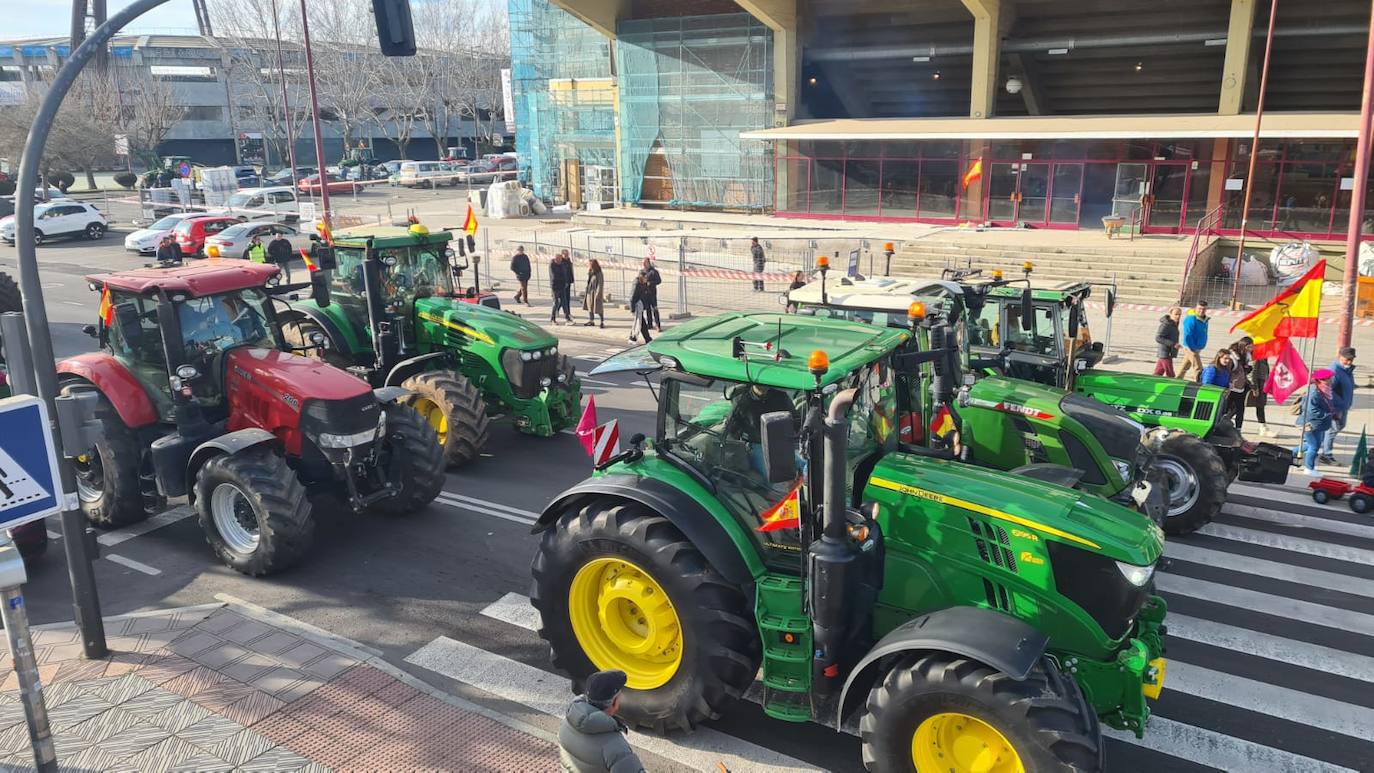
470	223
786	514
309	264
943	423
106	307
974	172
1291	314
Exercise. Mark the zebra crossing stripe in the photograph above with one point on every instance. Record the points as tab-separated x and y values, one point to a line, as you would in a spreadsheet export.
1264	603
1220	751
1275	570
1298	520
1272	700
1264	645
1283	542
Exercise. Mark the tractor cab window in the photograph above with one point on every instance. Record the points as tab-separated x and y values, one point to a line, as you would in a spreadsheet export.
1041	339
873	420
714	429
135	340
216	323
985	330
414	272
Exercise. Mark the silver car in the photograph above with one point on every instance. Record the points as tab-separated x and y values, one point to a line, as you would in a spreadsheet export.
233	241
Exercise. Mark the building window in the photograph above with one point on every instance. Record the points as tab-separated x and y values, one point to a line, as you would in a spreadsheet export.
204	113
182	74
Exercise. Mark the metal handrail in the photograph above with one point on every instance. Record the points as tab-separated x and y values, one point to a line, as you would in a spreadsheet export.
1206	226
1137	221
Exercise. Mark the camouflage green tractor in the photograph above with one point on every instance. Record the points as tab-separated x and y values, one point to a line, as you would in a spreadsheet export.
397	315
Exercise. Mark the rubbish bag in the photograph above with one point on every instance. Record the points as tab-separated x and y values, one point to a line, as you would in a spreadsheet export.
1290	261
1252	271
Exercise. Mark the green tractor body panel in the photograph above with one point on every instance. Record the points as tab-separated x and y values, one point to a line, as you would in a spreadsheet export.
1156	400
354	341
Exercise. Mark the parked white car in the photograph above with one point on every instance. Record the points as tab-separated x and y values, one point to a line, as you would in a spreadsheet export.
145	240
233	241
416	173
65	217
275	203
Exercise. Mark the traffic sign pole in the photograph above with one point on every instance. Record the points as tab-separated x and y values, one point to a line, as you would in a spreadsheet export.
16	619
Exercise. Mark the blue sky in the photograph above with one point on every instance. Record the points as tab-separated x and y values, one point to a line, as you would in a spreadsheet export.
46	18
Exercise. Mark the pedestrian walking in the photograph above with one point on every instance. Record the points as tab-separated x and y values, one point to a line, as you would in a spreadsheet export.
1342	397
168	251
798	281
655	279
1259	376
1317	412
1194	338
561	281
1239	389
257	251
279	252
756	252
520	266
639	303
595	301
591	737
1166	342
1219	372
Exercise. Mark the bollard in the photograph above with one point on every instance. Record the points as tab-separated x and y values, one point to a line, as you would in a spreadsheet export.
681	279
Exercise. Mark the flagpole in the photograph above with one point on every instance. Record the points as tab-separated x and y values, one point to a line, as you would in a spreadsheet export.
1254	152
1362	152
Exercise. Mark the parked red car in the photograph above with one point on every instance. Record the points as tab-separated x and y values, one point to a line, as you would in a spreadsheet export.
333	182
191	232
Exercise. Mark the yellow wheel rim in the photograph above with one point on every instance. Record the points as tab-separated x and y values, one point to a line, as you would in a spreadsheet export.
623	619
960	743
433	414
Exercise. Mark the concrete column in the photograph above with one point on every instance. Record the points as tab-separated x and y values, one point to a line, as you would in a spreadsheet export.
1216	182
987	47
780	16
600	15
1235	69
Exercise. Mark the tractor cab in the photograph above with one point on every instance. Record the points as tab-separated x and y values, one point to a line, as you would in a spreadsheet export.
1053	343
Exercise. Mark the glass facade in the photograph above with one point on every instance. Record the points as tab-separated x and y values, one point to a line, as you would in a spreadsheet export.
1167	186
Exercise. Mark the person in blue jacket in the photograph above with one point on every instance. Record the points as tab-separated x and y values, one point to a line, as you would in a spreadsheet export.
1219	372
1194	338
1342	396
1317	413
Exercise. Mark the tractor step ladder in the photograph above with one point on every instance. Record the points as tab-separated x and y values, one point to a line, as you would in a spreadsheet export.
786	632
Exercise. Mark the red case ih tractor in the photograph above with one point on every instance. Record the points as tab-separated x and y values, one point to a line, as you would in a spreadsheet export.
199	397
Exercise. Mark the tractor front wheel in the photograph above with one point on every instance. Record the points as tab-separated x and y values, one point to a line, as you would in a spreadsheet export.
254	512
422	461
1195	483
107	479
618	586
454	409
940	711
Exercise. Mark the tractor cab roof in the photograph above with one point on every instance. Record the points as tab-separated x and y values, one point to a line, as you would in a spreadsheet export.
882	293
209	277
1058	292
705	348
385	236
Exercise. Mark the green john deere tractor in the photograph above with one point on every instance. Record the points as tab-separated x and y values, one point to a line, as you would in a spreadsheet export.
977	620
1198	452
397	315
1003	423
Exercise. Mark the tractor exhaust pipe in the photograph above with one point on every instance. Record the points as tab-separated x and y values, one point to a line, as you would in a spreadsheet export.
831	558
836	446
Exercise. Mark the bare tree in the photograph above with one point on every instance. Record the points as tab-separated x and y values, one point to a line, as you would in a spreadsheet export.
394	111
148	110
82	134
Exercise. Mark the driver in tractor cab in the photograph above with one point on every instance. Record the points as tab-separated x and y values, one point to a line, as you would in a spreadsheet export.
749	406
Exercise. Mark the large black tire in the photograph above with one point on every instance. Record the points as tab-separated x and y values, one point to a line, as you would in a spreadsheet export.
454	409
719	642
263	494
107	474
1042	718
422	461
1195	480
10	299
297	333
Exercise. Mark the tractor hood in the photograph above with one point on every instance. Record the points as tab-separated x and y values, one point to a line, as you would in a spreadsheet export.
1024	398
1052	512
1154	398
292	378
479	323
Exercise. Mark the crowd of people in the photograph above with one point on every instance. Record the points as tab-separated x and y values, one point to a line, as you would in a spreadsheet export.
1321	413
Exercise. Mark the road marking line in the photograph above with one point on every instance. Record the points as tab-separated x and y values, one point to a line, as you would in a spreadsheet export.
515	609
1271	700
53	535
111	538
589	357
1219	751
493	505
1233	562
1284	542
74	303
484	511
551	694
572	432
1271	647
137	566
1298	520
599	382
1264	603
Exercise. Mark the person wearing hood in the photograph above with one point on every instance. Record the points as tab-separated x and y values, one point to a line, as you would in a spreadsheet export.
1342	397
591	738
1317	412
1166	341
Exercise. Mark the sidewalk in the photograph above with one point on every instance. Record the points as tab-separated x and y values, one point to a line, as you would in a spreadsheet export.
226	688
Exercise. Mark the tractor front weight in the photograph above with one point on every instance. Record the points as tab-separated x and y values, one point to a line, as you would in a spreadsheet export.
1117	689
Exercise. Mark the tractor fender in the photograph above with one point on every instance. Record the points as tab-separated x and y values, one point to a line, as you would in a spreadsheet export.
337	341
116	383
390	394
998	640
413	365
1225	435
227	444
693	520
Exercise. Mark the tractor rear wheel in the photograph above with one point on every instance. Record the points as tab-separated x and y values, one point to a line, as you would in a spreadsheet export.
297	334
107	473
10	299
254	512
454	409
941	711
618	586
422	461
1195	483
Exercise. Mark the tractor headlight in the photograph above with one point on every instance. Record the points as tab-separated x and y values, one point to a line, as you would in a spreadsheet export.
274	280
545	382
562	377
526	356
1124	468
389	260
1136	575
552	350
536	355
187	372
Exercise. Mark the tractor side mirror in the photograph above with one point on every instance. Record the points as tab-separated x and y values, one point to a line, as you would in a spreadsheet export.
1111	300
1074	321
319	288
779	446
323	257
1027	310
90	330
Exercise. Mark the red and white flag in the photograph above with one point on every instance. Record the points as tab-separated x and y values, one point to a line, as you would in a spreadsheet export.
1289	373
586	426
602	441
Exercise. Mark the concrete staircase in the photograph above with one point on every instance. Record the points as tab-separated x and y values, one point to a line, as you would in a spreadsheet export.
1146	271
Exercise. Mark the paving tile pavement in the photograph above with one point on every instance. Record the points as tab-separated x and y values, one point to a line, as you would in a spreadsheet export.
212	689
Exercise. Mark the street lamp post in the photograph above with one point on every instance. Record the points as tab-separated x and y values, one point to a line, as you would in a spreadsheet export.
315	120
285	101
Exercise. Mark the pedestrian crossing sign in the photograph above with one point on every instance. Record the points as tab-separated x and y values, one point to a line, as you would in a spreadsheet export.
29	480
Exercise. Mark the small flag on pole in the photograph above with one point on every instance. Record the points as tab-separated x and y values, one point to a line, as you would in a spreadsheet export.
786	514
106	307
605	442
1361	454
975	172
587	425
470	223
1289	373
309	264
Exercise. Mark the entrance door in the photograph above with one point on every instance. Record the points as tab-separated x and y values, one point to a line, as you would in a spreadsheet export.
1167	199
1017	192
1131	188
1066	195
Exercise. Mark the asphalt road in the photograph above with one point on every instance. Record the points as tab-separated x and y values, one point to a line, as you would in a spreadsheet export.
1271	607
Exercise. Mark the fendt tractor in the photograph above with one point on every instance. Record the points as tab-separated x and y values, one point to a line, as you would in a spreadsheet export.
1199	452
1002	423
199	396
975	620
398	319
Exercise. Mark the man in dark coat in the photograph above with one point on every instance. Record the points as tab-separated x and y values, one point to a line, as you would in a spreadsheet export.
591	738
1166	342
1342	397
520	266
655	279
561	281
279	252
756	252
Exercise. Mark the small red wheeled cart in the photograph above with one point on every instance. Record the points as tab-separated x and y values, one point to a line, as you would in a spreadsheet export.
1326	489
